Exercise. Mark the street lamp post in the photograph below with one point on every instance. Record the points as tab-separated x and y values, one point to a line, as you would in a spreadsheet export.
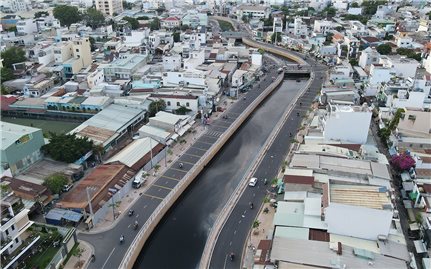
89	204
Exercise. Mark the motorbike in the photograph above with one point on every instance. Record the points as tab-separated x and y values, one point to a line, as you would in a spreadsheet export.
232	256
93	258
265	181
131	212
135	226
122	239
251	205
180	165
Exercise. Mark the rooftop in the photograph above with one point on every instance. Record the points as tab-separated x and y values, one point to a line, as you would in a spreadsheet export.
13	133
367	196
134	152
168	117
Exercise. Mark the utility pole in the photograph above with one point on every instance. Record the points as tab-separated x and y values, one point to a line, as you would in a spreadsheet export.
151	153
113	208
89	204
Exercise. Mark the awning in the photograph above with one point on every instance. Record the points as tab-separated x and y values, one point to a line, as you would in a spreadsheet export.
174	137
420	246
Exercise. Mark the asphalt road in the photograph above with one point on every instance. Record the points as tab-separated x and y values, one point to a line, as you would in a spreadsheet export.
182	233
234	233
108	250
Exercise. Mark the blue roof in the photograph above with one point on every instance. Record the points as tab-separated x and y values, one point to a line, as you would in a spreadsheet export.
59	214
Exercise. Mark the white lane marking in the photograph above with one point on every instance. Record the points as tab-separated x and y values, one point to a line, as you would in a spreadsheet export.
129	226
234	232
145	206
110	254
137	216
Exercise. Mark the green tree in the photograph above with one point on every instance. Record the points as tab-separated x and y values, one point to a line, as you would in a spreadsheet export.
354	4
182	110
409	53
388	36
329	12
269	21
185	27
328	39
56	182
4	89
92	43
370	7
155	24
94	18
177	36
41	14
353	62
143	18
384	49
67	147
6	74
274	35
127	5
11	29
77	252
161	8
134	23
67	14
12	56
156	106
244	18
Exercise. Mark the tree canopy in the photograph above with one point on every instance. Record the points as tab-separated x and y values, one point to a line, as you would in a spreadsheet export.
274	35
134	23
156	106
56	182
41	14
384	49
155	24
67	14
409	53
67	147
12	56
94	18
127	5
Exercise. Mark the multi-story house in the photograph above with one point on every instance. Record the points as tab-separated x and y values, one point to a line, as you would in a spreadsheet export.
38	86
27	26
73	55
170	23
124	66
253	11
322	26
110	7
14	229
368	57
195	19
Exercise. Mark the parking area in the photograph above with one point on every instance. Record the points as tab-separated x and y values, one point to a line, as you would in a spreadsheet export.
41	170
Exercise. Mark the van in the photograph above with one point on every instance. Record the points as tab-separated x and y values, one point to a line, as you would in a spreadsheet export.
139	179
253	182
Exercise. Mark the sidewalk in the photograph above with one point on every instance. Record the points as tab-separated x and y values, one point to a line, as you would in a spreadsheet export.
175	151
81	262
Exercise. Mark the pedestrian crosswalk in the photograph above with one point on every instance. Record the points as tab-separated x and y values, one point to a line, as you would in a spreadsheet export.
213	133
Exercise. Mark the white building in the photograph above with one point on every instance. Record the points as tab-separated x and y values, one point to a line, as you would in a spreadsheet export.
339	117
401	66
16	5
340	4
368	57
299	27
172	62
322	26
253	12
256	59
180	78
27	26
14	225
379	74
170	23
176	101
319	4
404	41
136	38
427	63
95	76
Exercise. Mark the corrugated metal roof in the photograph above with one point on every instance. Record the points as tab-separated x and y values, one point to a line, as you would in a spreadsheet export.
134	151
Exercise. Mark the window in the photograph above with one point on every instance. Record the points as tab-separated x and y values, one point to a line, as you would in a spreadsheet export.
187	104
178	104
77	50
168	103
12	227
7	232
16	240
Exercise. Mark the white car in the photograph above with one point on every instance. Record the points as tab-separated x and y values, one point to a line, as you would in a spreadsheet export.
253	182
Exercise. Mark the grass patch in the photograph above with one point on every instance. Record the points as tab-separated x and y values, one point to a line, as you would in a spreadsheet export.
41	260
70	253
225	26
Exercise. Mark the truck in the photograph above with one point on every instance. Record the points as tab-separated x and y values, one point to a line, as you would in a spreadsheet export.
139	179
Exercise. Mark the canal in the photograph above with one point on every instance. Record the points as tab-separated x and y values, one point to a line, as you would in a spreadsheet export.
180	237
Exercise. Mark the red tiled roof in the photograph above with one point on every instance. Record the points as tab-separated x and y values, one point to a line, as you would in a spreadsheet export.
370	39
6	101
298	179
265	246
170	19
354	147
318	235
141	90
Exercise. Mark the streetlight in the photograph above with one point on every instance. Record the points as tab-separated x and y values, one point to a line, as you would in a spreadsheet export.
89	202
